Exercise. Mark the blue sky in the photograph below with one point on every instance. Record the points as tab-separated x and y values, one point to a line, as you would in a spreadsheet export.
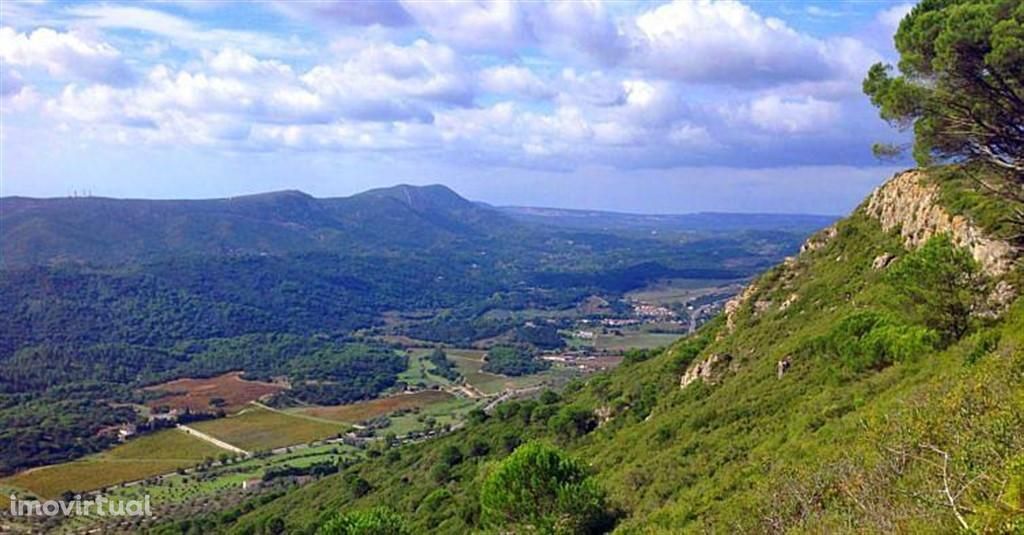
656	107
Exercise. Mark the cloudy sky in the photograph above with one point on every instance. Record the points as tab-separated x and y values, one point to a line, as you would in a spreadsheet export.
675	106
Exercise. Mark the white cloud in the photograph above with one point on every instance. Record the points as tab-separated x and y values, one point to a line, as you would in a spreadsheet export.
235	98
63	54
183	32
891	17
235	61
387	81
514	80
493	25
575	82
772	113
725	42
11	82
581	28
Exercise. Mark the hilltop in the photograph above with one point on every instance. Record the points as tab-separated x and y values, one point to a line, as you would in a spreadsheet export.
870	383
398	219
109	231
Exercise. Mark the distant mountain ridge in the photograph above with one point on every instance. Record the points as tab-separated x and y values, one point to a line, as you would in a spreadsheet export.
104	230
699	221
101	230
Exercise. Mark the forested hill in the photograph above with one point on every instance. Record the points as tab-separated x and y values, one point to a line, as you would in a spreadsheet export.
108	231
869	384
399	219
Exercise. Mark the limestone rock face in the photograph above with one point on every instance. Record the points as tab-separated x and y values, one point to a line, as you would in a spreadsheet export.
819	239
882	260
911	206
708	370
732	306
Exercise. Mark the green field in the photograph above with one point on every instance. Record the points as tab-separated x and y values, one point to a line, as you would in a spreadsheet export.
420	368
629	340
470	361
444	412
147	456
668	291
256	429
178	488
365	410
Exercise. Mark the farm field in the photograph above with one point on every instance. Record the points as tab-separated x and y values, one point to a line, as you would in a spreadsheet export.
365	410
628	340
665	292
419	371
471	361
147	456
257	429
197	394
219	486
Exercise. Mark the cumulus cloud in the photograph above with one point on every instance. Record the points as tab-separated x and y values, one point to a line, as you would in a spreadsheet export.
890	17
773	113
11	83
725	42
64	54
514	80
236	98
384	81
235	61
549	85
582	29
495	25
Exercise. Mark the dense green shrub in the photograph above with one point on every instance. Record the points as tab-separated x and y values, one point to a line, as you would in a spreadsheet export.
871	340
940	282
378	521
541	489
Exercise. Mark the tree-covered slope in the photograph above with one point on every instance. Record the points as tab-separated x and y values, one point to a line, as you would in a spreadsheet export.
110	231
832	396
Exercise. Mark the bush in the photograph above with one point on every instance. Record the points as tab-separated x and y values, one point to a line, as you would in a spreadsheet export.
379	521
984	343
870	340
358	486
539	488
451	455
941	283
573	422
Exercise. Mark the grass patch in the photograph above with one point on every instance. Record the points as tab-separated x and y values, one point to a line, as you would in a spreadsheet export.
963	195
364	410
257	429
147	456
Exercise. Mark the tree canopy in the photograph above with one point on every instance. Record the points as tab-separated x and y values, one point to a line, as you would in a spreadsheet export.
378	521
539	488
960	83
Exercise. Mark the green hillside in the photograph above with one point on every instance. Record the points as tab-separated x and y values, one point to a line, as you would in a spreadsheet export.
884	418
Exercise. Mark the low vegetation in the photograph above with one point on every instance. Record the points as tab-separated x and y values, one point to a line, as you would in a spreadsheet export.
139	458
513	361
366	410
257	429
880	397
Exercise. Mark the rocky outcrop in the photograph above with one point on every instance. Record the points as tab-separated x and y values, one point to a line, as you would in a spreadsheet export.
909	205
882	261
820	239
732	306
708	370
